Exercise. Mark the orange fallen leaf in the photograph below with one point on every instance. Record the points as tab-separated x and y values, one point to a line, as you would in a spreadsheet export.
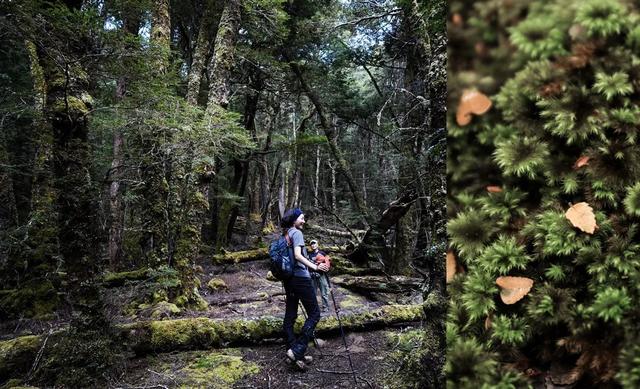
471	102
488	322
456	19
494	189
513	289
582	217
451	266
582	161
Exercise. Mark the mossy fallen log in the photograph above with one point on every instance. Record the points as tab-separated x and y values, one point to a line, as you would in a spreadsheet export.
381	284
259	254
119	279
17	355
198	333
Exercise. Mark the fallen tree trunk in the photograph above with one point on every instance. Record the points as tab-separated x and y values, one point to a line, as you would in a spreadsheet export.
17	355
259	254
203	333
242	300
330	232
368	284
373	245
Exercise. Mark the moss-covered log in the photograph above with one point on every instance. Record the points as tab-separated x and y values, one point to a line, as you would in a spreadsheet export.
197	333
259	254
119	279
381	284
17	355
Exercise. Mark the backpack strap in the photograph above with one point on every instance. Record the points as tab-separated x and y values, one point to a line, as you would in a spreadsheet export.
288	239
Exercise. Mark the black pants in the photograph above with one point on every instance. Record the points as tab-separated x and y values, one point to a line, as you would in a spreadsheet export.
300	290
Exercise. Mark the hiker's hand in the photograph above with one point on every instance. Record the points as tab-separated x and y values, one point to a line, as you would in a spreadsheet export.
323	267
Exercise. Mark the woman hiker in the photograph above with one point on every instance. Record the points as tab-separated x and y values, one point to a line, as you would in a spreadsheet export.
299	289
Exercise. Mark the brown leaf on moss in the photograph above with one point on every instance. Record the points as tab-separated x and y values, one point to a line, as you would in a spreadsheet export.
513	289
582	217
451	266
471	102
488	322
582	161
456	19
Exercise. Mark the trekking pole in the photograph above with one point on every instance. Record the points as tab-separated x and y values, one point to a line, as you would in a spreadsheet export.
344	340
315	341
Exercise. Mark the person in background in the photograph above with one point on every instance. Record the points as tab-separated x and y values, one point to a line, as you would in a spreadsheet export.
320	280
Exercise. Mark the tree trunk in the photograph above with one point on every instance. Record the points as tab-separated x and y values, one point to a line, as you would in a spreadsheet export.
161	34
131	24
373	245
316	181
222	61
67	107
200	54
334	190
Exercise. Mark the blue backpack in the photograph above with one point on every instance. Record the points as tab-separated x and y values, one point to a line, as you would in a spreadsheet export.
281	260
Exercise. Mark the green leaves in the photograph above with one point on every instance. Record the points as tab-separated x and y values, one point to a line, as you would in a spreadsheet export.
503	256
632	200
602	17
610	304
509	330
539	38
521	157
610	86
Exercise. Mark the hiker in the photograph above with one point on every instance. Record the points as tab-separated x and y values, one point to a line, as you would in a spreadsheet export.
320	281
299	289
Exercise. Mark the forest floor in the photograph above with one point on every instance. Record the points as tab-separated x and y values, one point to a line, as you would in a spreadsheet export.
243	291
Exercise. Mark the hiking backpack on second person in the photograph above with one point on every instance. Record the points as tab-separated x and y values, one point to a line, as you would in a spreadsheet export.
281	259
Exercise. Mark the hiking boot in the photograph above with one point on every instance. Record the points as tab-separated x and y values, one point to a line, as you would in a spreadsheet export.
308	359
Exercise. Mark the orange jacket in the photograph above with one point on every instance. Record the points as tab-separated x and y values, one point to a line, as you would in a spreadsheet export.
320	258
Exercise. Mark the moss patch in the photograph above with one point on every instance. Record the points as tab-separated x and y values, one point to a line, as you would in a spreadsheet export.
217	284
16	355
352	302
164	309
217	370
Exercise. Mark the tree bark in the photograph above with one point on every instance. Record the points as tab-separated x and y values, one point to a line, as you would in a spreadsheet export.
67	108
161	34
222	60
200	54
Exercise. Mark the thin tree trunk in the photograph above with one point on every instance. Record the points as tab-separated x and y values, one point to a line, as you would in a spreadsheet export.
316	183
334	202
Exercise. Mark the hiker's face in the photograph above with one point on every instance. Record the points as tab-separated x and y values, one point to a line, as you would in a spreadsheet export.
314	246
299	221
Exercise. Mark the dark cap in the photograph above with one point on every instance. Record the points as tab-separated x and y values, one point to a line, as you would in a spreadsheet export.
289	217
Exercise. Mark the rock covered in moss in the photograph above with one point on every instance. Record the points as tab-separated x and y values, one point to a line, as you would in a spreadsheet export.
164	309
216	284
